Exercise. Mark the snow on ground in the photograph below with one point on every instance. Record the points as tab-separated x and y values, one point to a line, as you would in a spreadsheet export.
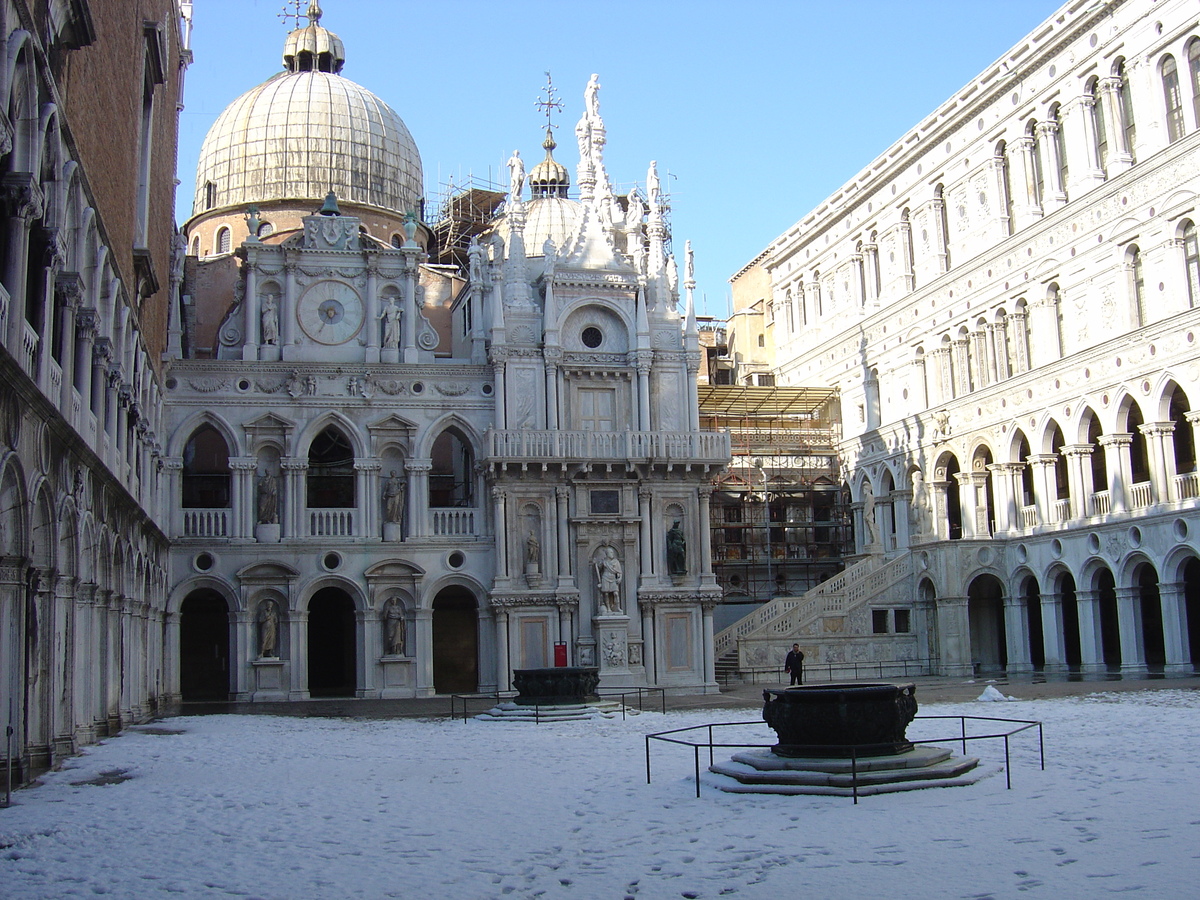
266	807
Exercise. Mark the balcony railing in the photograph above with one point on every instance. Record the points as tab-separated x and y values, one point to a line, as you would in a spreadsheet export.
1187	485
647	446
28	350
1141	495
1029	516
1101	503
1062	510
331	522
454	521
210	523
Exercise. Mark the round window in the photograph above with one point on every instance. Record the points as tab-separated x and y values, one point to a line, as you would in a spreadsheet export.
456	560
592	337
331	561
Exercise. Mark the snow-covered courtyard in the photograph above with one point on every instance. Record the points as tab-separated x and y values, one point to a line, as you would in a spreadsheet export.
272	807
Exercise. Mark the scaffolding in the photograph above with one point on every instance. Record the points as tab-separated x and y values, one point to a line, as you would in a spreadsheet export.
779	520
464	210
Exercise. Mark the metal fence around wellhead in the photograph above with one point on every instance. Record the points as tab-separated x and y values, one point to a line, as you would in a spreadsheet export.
854	750
495	697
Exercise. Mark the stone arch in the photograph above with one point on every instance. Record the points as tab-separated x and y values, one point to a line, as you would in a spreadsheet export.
456	638
985	613
22	101
14	510
948	506
613	323
43	531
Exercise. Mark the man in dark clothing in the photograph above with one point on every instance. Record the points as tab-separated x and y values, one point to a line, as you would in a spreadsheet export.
795	664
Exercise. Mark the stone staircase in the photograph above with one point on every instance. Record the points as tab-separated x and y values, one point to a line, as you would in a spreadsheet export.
787	618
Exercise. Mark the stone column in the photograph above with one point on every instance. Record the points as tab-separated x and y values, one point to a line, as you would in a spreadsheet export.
418	498
1118	465
1001	225
1053	191
551	369
1120	154
710	662
1079	478
918	393
1002	496
294	499
1018	338
287	310
953	629
1053	633
1178	654
250	301
499	496
243	501
1084	164
1045	490
1129	627
1025	207
870	274
561	495
643	389
372	308
646	563
901	510
503	671
85	335
979	358
1016	635
1091	641
704	536
649	651
1161	450
21	200
70	289
408	318
297	622
962	367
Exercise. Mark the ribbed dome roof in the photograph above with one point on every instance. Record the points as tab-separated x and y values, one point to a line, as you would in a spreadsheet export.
556	218
306	132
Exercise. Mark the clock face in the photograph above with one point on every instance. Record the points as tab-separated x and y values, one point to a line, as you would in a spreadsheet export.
330	312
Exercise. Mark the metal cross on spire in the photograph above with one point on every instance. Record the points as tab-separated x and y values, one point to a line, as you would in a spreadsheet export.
550	102
291	10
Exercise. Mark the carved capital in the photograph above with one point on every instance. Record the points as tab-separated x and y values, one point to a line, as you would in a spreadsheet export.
21	197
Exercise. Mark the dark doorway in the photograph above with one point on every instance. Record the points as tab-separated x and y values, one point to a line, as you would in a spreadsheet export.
1191	599
455	642
1070	617
204	647
1110	634
1032	599
1151	608
331	644
985	609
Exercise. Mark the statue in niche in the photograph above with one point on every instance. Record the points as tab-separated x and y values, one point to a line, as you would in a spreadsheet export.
533	553
918	513
609	573
475	257
268	629
676	550
393	498
395	629
516	177
268	500
871	529
390	315
270	320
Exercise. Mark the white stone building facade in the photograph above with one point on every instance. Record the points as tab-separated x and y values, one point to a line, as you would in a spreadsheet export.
394	479
1007	302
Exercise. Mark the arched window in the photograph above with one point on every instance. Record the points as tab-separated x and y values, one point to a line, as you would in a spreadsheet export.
1060	146
452	478
265	229
397	241
1173	98
330	480
1191	262
1139	452
224	240
206	476
196	245
1098	123
1193	56
1181	437
1127	110
1039	177
210	195
1137	285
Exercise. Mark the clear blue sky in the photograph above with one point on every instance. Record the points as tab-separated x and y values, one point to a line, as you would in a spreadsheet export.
758	110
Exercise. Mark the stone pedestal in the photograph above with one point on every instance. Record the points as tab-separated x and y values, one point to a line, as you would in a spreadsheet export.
267	533
393	531
397	677
612	649
269	678
269	353
836	720
389	356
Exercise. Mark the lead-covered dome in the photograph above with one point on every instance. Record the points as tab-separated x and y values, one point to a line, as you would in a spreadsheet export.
305	132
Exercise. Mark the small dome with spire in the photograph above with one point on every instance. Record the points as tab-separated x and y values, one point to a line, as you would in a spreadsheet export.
549	178
314	47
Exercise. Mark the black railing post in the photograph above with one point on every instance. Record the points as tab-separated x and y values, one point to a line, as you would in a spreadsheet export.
696	755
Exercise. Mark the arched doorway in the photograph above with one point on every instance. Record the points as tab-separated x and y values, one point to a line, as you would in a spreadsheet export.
1070	622
985	610
1031	599
1110	634
1150	608
331	644
204	647
455	641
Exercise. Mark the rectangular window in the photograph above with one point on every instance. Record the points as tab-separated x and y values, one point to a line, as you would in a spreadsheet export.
902	621
879	621
605	503
596	409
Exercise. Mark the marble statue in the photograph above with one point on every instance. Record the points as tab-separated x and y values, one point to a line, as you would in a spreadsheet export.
393	498
872	529
676	550
268	629
635	211
516	177
591	97
609	573
918	513
475	257
270	320
390	315
268	500
653	186
395	629
533	552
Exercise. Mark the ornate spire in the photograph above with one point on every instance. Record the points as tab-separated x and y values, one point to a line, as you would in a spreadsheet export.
312	48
